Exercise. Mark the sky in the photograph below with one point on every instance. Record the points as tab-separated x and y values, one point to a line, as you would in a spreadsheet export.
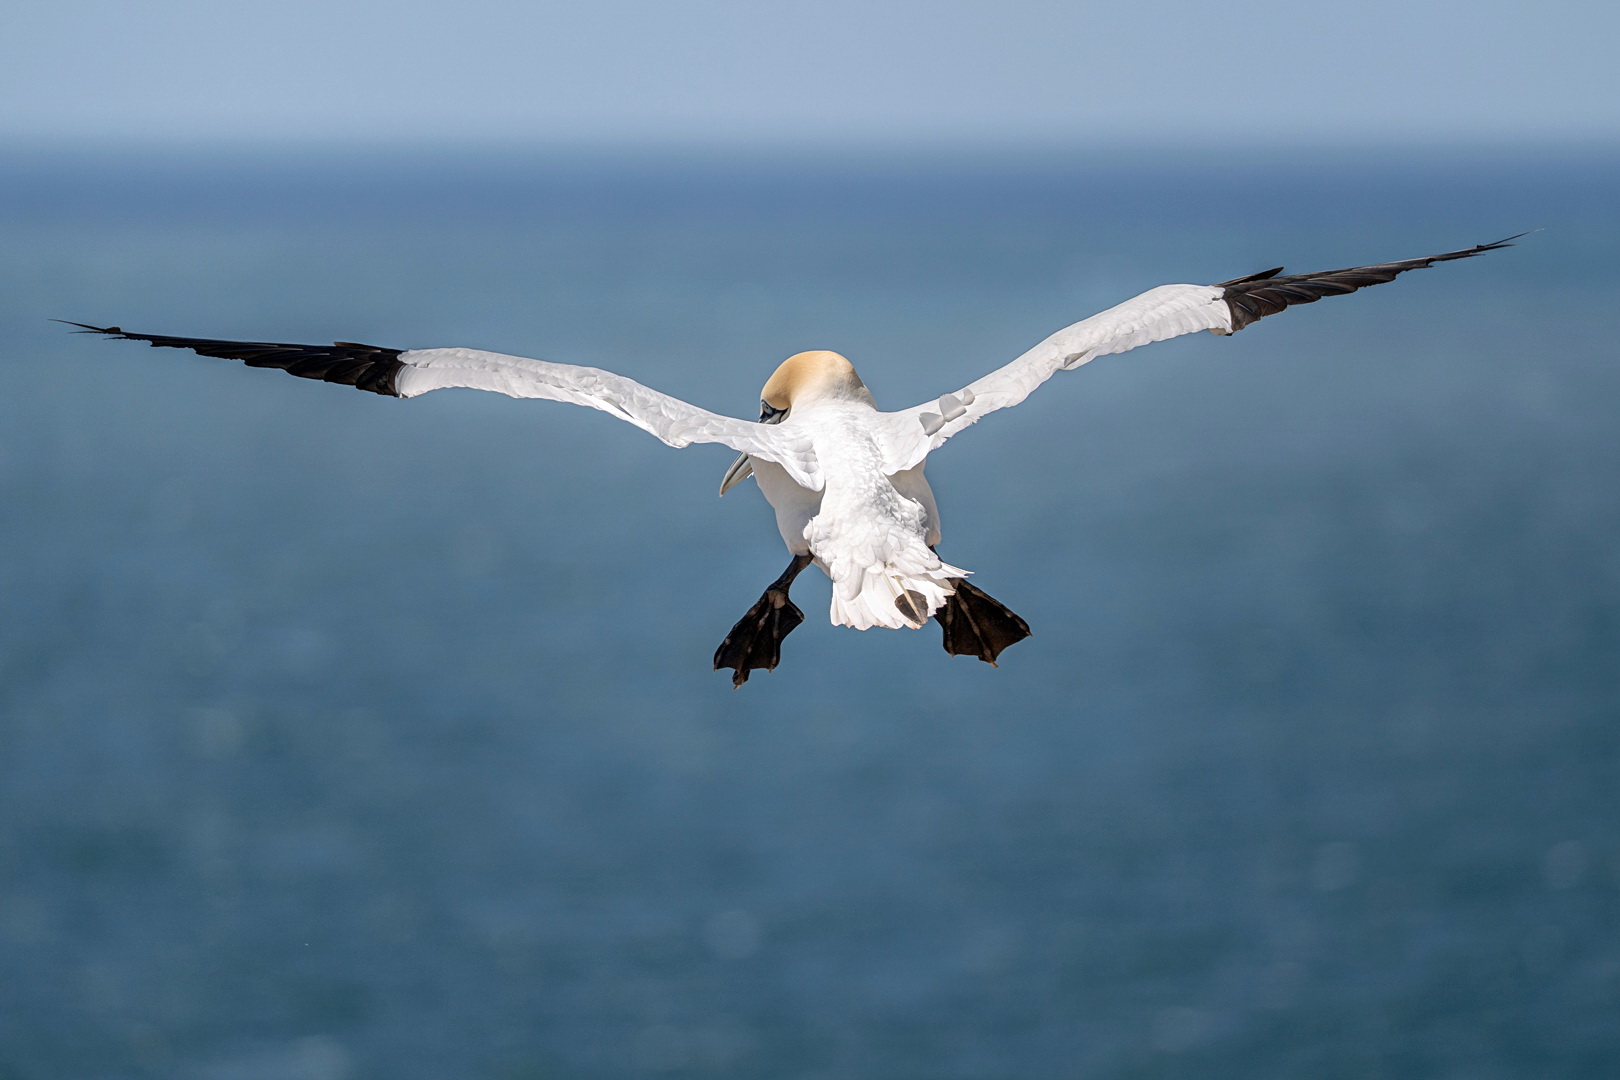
634	72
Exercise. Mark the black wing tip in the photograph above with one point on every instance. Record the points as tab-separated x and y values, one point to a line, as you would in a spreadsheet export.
1464	253
366	367
1479	249
86	328
1507	243
1264	275
1252	298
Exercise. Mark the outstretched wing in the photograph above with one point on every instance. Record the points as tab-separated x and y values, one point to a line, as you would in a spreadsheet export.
1165	312
409	373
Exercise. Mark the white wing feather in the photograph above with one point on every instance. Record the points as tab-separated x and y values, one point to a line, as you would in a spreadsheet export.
669	419
1165	312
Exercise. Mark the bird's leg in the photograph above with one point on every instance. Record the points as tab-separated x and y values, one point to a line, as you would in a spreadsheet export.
756	640
976	624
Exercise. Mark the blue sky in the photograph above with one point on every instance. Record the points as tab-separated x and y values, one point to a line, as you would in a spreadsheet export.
635	72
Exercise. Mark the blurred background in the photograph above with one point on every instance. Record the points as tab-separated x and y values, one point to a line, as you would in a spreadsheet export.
345	738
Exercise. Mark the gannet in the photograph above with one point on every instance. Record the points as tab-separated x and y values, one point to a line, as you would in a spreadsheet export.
845	479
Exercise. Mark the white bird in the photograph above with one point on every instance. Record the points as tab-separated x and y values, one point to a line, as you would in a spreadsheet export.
845	479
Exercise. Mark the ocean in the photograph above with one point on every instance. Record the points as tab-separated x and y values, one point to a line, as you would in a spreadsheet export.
350	738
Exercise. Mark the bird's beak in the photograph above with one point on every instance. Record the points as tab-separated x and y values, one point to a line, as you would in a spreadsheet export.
740	470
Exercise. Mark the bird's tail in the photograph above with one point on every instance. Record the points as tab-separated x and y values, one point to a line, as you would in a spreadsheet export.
883	596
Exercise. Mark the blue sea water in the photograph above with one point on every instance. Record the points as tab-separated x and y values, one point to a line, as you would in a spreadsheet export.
346	738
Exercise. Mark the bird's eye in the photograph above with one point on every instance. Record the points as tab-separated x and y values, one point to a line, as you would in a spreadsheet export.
769	415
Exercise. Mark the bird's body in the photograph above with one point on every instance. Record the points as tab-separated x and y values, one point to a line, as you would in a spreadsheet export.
871	532
844	478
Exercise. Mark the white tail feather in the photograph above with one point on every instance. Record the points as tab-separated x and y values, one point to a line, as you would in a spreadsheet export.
882	598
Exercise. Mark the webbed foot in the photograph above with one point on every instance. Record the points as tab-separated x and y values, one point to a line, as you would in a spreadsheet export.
756	641
977	624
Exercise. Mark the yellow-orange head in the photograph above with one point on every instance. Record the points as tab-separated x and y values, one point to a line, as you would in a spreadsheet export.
808	376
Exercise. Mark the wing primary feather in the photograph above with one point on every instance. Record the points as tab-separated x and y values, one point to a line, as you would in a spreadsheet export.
411	372
1252	298
347	363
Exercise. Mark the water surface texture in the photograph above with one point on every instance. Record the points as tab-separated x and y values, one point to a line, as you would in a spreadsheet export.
346	738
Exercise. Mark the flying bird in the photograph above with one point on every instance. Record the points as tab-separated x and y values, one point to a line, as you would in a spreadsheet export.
845	479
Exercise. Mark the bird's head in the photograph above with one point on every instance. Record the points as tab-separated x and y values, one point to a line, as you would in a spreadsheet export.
807	377
802	379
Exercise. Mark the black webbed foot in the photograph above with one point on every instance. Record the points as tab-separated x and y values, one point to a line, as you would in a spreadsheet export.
756	641
977	624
